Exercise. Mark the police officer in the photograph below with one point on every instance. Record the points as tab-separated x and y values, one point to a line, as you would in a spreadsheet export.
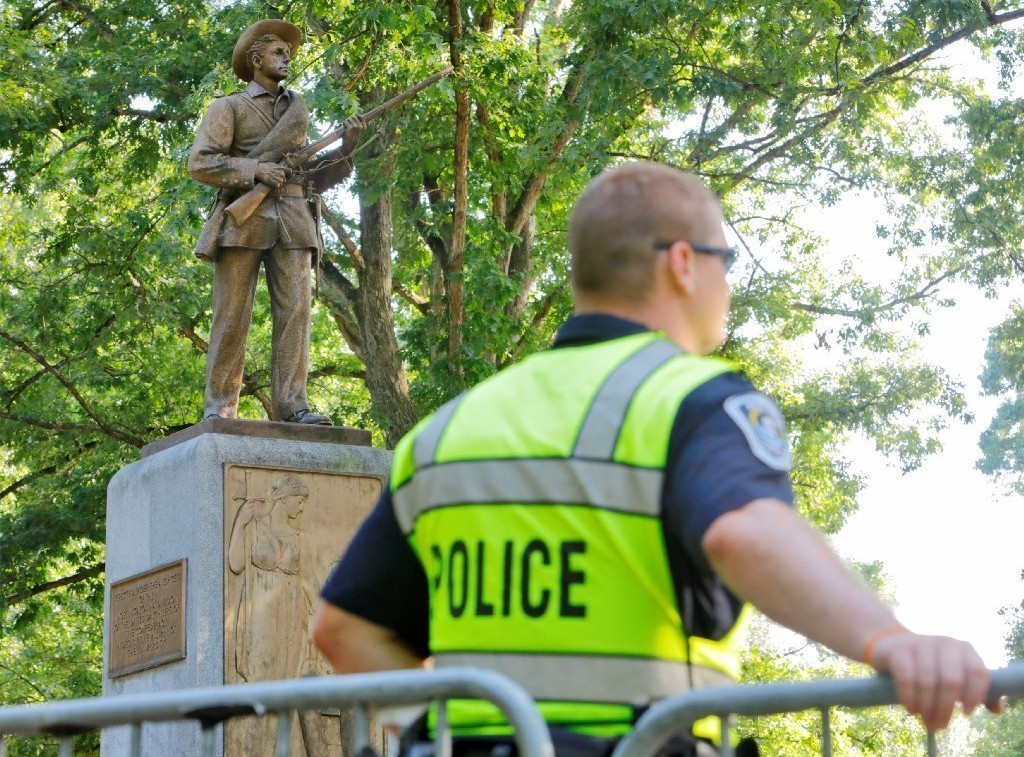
588	521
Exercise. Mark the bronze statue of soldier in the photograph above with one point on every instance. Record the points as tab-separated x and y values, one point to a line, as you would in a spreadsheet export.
241	143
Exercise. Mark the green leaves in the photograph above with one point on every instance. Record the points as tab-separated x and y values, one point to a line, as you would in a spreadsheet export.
865	731
49	650
1002	444
779	106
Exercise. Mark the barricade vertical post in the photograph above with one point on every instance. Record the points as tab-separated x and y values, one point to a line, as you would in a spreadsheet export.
726	750
933	747
443	738
826	732
135	740
342	731
362	728
67	747
209	735
284	733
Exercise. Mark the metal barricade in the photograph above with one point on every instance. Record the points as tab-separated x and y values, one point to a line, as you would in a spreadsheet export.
212	706
677	714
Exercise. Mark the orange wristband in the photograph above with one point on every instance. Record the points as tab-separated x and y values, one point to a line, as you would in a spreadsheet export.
869	646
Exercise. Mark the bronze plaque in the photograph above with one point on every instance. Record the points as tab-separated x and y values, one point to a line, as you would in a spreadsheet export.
147	620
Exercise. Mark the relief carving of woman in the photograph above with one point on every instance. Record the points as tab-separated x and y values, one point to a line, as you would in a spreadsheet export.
272	615
266	546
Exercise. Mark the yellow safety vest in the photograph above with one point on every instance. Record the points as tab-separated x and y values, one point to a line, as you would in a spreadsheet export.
534	502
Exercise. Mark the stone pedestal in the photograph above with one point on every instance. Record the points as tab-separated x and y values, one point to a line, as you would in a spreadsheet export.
218	541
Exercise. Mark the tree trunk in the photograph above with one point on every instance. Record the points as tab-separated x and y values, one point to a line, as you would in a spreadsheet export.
457	254
385	376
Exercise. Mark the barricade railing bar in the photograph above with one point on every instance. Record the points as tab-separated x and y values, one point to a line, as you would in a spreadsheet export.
677	715
214	705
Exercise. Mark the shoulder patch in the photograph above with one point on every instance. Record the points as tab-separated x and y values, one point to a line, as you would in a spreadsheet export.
762	425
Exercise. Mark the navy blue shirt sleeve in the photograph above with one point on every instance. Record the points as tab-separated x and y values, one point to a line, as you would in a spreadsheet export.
720	459
380	579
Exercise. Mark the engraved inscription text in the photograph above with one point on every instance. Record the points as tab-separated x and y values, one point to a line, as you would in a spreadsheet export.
147	620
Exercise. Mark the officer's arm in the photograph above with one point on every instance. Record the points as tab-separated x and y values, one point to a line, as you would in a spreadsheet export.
352	644
771	557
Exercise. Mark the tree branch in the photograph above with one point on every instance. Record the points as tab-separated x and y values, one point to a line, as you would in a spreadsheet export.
823	120
521	17
518	264
13	395
435	197
37	16
105	427
250	386
51	425
422	304
16	391
499	197
534	185
343	236
333	370
538	318
81	575
65	148
152	115
923	293
342	298
929	50
101	27
41	694
820	121
24	481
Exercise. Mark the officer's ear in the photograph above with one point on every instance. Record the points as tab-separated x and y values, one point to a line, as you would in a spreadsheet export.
679	267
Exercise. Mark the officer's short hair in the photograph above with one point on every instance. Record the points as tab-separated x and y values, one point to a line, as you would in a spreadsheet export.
622	215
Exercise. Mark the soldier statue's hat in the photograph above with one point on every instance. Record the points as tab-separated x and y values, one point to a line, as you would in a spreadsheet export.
288	33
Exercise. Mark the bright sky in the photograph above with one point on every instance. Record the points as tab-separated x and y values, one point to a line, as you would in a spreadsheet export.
948	536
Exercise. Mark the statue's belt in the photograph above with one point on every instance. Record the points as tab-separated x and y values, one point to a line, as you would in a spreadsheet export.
290	189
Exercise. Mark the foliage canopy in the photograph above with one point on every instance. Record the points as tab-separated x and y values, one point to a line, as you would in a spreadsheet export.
446	257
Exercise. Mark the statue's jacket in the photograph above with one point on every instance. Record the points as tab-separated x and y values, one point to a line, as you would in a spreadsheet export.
237	132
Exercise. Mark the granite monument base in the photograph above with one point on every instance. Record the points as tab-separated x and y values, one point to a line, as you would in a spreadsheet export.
218	541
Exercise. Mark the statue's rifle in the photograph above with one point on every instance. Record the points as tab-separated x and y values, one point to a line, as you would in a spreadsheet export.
245	206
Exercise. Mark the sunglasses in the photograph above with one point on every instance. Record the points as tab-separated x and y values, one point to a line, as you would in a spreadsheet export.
727	254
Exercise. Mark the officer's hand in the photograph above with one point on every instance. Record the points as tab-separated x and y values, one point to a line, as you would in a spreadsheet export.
271	174
932	674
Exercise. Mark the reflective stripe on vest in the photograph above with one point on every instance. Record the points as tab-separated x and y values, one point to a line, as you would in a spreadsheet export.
530	517
600	430
525	481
